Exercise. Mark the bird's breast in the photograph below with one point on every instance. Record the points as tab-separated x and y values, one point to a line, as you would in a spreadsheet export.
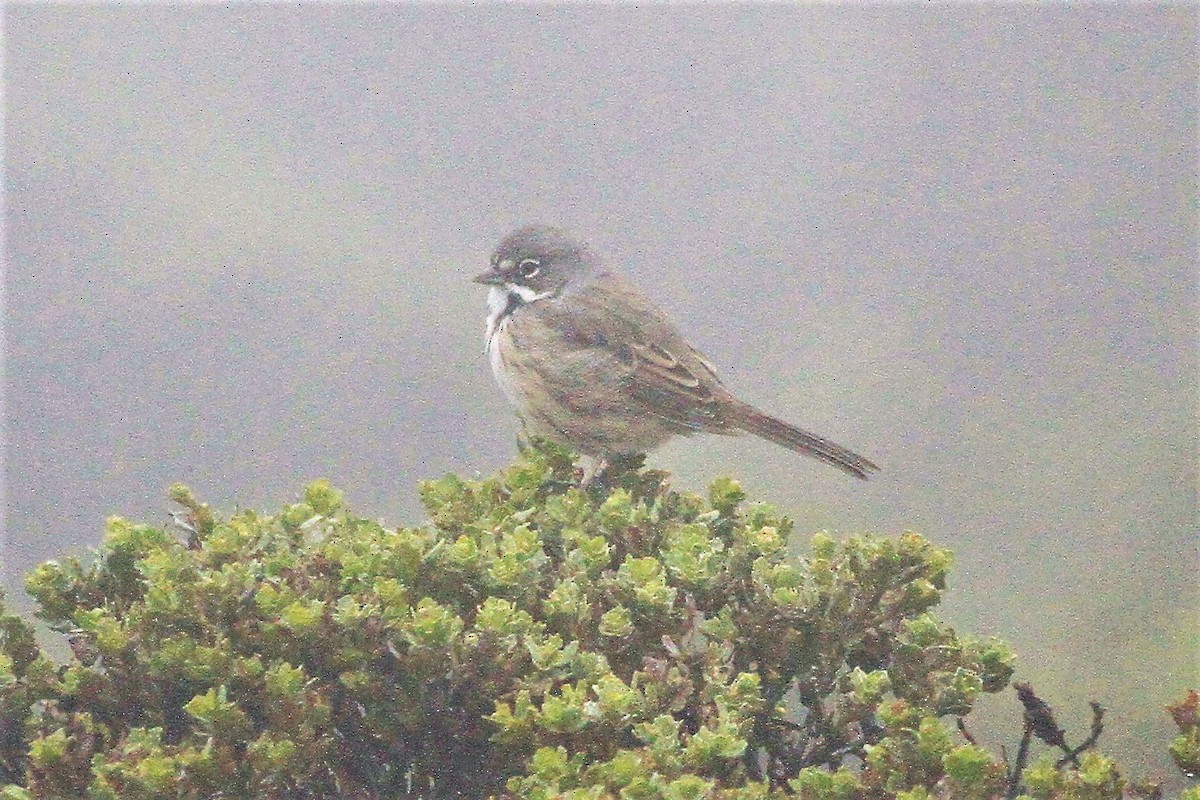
501	305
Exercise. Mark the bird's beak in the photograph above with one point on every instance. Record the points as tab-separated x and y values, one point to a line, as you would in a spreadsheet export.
489	278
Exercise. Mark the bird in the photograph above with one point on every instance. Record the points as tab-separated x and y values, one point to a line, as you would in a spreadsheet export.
590	362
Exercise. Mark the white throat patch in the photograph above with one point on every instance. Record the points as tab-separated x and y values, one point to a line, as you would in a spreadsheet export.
503	301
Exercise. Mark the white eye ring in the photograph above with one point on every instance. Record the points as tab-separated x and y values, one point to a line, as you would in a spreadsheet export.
529	267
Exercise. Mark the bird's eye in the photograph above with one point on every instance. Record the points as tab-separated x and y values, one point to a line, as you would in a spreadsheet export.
529	267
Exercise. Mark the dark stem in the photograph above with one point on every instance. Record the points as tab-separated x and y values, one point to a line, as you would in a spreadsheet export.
1014	777
1072	754
966	734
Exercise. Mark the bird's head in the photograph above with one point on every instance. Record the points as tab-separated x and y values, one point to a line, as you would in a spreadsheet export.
539	261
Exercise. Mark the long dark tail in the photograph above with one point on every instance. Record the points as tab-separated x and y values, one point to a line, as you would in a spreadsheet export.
781	433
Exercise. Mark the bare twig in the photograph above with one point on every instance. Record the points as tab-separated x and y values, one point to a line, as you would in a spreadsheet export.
1039	722
1039	717
966	734
1014	777
1072	754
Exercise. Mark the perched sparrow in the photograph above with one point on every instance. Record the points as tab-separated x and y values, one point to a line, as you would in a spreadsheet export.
590	362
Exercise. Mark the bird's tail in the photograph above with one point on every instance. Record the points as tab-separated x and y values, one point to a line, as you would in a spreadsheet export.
751	420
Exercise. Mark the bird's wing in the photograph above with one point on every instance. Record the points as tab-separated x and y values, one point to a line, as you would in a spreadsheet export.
671	386
638	351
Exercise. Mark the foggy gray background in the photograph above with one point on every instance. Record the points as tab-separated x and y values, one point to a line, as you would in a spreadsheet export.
958	239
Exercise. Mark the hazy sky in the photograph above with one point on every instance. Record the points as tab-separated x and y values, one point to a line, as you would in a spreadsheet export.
958	239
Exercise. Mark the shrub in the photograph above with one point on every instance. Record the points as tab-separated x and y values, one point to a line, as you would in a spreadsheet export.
535	639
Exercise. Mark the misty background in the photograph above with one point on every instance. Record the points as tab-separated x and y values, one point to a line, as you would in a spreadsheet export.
959	239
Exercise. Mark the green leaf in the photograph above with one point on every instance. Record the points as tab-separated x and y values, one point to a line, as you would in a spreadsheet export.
725	494
616	622
818	784
323	498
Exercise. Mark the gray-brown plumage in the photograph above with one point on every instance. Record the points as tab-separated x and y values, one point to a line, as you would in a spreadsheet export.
590	362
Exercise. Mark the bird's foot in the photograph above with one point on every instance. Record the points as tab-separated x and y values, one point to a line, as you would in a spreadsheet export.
594	474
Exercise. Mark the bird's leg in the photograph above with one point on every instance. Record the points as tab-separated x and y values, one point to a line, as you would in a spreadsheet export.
524	436
594	472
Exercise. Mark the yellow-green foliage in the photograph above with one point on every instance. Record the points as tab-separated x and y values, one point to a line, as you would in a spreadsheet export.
535	640
1186	747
